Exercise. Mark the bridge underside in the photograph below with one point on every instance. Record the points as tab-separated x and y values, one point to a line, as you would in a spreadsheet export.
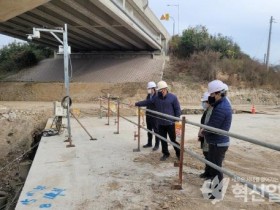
93	25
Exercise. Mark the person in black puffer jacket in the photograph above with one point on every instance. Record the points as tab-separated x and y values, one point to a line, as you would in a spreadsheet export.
151	120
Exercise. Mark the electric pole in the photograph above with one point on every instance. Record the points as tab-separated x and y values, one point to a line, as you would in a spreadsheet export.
268	45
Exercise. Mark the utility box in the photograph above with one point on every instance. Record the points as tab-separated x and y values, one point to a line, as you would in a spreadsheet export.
61	49
59	110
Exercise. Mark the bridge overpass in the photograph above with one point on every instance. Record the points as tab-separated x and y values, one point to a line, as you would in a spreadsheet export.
93	25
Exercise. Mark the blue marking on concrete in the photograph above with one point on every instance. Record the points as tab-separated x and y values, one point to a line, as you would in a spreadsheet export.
27	201
54	193
45	206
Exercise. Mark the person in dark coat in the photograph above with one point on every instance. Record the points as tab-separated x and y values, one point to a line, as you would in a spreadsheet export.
166	103
151	120
220	118
203	144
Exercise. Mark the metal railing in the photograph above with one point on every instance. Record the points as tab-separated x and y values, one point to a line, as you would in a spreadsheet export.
192	153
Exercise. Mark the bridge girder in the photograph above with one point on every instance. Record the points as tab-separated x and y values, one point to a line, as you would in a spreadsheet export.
94	25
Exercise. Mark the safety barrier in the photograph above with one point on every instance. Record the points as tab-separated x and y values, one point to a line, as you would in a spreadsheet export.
184	121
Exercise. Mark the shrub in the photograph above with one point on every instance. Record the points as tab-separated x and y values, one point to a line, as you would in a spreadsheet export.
199	56
197	39
17	56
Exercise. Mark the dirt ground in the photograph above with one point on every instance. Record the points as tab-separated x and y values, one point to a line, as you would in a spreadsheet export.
20	119
188	94
25	108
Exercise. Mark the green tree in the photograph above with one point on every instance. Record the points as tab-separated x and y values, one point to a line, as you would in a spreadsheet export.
197	39
17	56
194	39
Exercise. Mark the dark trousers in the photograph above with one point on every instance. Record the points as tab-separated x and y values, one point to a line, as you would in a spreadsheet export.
216	155
153	126
207	168
170	130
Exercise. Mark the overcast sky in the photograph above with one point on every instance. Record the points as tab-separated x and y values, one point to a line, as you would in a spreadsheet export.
245	21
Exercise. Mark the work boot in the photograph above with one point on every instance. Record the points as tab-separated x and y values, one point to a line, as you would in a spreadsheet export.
155	148
156	145
164	157
147	145
178	156
204	175
217	197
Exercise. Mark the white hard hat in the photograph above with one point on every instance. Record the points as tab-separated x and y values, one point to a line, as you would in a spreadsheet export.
215	86
205	96
151	85
161	85
225	87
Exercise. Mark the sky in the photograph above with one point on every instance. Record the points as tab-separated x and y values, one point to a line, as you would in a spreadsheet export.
245	21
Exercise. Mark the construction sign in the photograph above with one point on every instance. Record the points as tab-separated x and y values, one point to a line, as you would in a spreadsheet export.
165	16
178	129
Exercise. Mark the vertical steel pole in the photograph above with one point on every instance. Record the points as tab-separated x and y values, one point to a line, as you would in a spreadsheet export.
66	80
108	123
100	108
138	134
173	28
178	20
182	144
268	45
139	121
118	117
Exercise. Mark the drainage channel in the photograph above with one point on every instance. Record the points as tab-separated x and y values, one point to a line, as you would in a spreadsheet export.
20	166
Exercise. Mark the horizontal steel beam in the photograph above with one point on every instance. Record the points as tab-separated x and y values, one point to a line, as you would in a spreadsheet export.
17	34
18	23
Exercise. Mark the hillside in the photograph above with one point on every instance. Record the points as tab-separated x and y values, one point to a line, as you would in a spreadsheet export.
186	88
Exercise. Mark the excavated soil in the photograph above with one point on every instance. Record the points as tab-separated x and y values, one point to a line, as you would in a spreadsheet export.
26	106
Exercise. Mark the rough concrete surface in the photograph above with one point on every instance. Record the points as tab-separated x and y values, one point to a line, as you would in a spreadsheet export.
106	174
96	69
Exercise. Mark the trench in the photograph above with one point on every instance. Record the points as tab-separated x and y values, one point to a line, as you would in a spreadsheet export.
10	194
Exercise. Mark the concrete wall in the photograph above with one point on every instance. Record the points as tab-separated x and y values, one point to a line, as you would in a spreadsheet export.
12	8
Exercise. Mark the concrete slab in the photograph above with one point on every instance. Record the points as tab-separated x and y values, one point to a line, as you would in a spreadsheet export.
106	174
75	178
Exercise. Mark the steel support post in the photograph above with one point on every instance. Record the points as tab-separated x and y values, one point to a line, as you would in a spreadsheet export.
118	117
138	134
108	113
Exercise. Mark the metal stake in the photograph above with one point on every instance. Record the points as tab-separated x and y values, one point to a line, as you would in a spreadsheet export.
138	134
118	117
108	123
100	108
182	145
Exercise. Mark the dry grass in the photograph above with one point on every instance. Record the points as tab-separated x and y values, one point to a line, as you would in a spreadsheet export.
208	65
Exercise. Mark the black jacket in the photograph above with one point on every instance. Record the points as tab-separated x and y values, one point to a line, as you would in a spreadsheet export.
151	106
